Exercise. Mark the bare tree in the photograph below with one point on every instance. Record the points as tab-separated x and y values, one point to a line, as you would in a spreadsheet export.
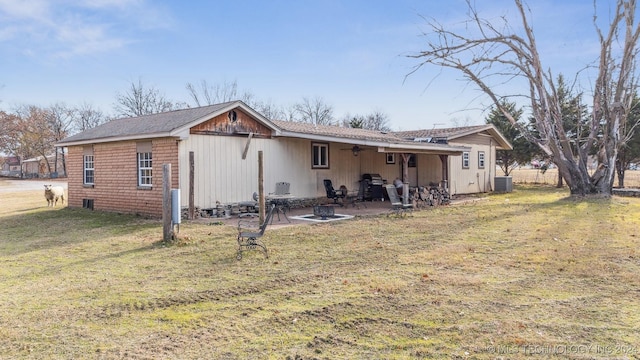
314	111
140	100
60	118
36	135
376	120
206	94
86	116
9	133
489	57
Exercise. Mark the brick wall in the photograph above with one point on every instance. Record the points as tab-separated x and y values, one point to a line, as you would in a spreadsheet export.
116	179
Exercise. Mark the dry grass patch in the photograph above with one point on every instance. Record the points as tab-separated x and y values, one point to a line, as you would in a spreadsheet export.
503	277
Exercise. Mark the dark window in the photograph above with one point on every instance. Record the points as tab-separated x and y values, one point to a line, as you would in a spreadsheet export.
319	156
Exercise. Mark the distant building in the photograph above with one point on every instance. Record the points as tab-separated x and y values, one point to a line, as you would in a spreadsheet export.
10	166
37	167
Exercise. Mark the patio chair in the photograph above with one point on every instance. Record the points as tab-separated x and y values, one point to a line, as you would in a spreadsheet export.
333	193
357	199
249	236
282	188
397	206
280	200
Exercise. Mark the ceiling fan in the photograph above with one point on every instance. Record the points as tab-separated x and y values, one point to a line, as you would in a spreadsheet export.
355	149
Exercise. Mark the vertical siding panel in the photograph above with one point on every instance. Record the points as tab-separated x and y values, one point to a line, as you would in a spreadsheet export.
473	179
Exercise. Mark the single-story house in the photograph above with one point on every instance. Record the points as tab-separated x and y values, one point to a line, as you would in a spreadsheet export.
37	167
11	166
213	152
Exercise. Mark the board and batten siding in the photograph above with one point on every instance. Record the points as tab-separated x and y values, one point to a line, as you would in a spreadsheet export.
473	179
429	169
221	175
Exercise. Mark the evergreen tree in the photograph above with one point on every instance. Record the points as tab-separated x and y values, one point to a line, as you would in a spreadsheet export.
523	151
630	150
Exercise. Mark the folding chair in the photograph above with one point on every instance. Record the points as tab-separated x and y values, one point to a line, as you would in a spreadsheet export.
397	205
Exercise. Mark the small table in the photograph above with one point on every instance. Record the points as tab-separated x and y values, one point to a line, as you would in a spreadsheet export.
282	203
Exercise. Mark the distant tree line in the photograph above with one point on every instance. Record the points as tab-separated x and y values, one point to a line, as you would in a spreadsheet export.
30	131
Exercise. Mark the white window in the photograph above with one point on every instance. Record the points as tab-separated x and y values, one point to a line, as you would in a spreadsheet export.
465	160
145	171
319	156
481	159
88	170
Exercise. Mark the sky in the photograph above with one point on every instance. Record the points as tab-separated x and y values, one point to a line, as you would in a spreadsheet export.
352	54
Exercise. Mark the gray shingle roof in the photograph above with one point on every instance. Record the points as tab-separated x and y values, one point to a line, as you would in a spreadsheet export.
146	125
454	133
172	122
446	133
338	131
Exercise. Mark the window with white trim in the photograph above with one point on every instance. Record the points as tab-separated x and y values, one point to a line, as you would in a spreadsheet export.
481	159
145	170
88	170
319	156
465	160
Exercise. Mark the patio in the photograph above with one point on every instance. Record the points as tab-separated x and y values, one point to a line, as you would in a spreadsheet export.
295	215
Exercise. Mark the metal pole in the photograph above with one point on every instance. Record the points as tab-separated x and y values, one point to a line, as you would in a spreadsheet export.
166	203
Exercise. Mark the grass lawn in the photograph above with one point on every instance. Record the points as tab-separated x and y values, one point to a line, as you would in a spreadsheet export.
509	276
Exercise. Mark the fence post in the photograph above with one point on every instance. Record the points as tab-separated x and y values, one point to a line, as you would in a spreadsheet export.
261	203
191	186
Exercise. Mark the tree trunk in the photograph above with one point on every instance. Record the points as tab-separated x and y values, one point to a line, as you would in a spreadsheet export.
560	182
576	176
620	170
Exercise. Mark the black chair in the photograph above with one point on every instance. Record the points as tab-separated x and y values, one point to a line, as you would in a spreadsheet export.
248	235
333	193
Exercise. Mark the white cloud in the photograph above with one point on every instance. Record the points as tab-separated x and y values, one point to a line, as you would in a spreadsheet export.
33	9
68	28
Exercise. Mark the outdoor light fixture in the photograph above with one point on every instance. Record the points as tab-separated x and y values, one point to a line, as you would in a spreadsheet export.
356	150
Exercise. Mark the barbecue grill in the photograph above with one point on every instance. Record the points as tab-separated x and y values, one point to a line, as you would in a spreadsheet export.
373	189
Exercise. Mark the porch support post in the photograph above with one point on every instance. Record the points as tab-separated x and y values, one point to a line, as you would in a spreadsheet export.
405	177
444	159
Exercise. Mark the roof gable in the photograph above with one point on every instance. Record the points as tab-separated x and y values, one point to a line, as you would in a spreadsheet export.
234	121
173	123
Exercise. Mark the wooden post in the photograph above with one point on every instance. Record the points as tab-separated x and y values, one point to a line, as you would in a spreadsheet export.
444	159
246	146
192	174
166	203
262	207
